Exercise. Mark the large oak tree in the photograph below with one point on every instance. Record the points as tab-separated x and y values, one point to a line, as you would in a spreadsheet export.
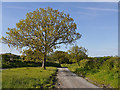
42	30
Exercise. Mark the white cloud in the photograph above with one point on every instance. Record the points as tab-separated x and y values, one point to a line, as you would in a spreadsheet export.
60	0
98	9
16	7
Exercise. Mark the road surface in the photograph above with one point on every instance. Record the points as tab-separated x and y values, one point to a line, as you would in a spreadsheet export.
67	79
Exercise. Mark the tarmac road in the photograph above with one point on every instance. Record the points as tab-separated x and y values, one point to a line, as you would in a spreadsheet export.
67	79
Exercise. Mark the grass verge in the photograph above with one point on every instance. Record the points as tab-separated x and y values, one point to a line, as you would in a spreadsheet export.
29	77
100	78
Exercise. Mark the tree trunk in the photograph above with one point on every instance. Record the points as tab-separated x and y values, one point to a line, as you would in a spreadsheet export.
44	61
78	62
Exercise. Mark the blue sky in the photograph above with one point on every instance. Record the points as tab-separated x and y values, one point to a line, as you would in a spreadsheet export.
60	0
96	21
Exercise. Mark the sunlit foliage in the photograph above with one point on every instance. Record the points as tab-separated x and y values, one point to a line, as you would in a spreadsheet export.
78	53
42	30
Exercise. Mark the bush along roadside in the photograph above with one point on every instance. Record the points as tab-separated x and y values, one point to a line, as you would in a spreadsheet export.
102	72
19	63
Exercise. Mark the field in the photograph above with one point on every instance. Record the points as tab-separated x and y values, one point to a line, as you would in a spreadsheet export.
18	73
29	77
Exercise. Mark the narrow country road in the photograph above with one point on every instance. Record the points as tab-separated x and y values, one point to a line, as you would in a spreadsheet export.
67	79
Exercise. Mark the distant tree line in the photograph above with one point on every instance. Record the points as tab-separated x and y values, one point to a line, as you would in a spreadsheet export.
75	54
9	57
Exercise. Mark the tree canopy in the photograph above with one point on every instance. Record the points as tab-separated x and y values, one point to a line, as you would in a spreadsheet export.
61	56
29	55
78	53
42	30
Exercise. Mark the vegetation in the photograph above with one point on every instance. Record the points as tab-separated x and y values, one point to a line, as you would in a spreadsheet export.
103	70
60	56
32	59
9	57
78	53
39	34
42	31
29	77
29	55
17	62
75	54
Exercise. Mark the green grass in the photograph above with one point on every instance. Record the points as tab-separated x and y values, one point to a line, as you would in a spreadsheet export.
71	67
101	77
109	79
28	77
